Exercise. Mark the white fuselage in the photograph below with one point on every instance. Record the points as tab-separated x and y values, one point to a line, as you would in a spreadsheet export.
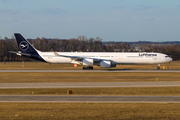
88	59
115	57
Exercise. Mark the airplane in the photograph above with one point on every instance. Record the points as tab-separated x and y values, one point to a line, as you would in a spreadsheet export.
89	59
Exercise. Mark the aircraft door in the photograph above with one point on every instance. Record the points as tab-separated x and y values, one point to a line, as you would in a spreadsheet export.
159	56
121	57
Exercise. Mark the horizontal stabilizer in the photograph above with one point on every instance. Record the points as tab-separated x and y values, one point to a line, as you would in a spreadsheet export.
18	53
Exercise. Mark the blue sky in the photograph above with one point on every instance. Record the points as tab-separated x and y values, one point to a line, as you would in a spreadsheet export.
115	20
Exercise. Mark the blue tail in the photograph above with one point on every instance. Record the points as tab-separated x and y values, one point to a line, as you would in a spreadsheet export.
24	45
26	49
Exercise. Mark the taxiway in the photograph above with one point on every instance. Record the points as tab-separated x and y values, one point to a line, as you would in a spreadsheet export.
89	85
77	70
75	98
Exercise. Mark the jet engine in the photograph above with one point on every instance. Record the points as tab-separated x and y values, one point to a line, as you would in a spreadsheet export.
107	64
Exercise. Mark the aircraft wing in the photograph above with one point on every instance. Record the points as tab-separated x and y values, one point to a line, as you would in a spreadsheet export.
72	57
76	57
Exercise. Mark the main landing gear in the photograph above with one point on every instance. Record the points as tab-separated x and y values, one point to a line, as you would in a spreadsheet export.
87	68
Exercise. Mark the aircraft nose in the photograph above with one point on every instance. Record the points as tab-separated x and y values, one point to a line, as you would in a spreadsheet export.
170	59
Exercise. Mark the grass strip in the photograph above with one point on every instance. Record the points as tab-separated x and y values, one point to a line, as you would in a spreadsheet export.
95	91
93	111
86	77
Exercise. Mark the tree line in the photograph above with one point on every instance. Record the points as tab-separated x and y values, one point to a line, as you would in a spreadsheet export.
169	49
81	44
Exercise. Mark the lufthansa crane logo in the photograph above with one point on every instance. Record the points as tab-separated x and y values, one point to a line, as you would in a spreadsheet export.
23	45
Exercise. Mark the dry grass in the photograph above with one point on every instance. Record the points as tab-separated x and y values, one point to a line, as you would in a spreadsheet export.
41	65
95	91
85	77
93	111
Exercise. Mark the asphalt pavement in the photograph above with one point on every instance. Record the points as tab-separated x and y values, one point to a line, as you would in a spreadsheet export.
77	70
76	98
89	85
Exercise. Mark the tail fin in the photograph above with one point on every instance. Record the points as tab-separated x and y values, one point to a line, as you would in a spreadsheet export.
24	45
26	49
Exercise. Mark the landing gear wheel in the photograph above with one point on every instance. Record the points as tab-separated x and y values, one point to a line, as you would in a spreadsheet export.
84	68
158	68
88	68
91	67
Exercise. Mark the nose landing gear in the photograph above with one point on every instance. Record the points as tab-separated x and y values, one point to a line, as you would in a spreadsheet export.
88	68
158	68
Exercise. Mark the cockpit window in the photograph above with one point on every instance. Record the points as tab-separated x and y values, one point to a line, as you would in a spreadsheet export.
166	56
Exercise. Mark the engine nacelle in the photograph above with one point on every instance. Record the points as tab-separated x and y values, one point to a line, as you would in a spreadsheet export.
107	64
88	62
